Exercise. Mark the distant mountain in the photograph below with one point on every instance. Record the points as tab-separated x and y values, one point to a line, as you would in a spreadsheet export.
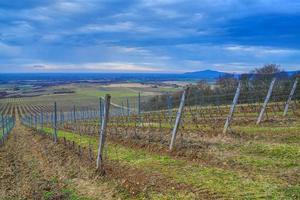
206	75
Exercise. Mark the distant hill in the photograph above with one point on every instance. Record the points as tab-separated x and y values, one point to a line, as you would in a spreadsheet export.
46	79
213	75
206	75
290	73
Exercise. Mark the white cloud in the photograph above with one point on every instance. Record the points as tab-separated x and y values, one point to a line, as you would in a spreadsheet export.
261	50
72	7
117	27
94	67
160	2
120	67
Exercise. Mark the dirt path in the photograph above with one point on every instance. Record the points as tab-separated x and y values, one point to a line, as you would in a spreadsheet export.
32	167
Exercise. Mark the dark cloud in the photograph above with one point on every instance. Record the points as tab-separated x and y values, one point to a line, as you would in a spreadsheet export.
174	33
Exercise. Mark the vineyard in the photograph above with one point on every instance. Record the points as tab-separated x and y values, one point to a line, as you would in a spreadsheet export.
243	144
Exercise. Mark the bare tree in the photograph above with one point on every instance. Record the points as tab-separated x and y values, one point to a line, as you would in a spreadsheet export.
268	69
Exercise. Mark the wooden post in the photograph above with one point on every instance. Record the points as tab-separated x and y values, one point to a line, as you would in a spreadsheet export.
234	102
55	123
266	102
178	118
290	97
103	132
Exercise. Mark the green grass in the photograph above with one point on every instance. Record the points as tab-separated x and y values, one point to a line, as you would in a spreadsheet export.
65	193
61	193
263	156
230	183
255	130
101	91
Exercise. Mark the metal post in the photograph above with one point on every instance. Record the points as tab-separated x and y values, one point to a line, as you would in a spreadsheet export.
128	109
290	97
100	111
74	114
122	109
103	132
55	123
139	107
42	120
266	101
178	118
35	122
170	107
62	118
7	127
234	102
3	128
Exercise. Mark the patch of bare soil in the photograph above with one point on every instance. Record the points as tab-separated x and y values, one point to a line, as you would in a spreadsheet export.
32	167
141	183
20	175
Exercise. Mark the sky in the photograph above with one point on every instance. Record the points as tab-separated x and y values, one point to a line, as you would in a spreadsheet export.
160	36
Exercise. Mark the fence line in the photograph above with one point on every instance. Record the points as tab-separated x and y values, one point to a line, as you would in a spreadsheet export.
156	125
6	124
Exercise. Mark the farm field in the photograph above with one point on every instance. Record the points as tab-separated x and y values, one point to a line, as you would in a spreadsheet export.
81	93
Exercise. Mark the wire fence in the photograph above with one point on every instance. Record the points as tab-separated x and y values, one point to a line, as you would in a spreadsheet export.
6	125
166	121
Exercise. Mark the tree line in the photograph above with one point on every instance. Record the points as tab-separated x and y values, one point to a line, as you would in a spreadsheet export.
254	87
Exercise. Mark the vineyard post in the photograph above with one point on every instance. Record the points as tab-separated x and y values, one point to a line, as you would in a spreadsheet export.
234	102
266	101
55	122
290	97
122	110
103	132
170	107
128	110
74	114
7	127
100	112
178	118
139	107
42	120
3	128
63	118
35	122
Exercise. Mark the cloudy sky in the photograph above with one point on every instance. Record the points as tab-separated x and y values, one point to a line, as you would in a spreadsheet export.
148	35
